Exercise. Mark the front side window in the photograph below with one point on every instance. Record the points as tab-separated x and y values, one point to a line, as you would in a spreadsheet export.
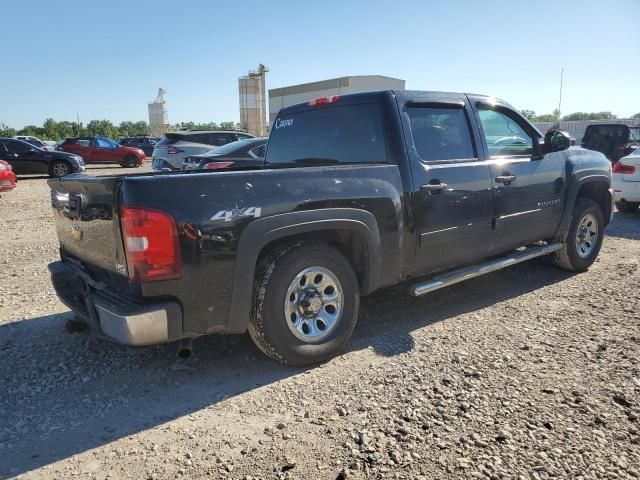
504	136
340	134
105	143
440	133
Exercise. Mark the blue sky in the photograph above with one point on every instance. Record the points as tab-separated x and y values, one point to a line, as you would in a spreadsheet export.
108	59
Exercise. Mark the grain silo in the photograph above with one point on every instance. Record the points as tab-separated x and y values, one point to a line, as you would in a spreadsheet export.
253	114
158	120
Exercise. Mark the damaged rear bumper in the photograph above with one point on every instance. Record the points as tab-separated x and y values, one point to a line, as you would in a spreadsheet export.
126	320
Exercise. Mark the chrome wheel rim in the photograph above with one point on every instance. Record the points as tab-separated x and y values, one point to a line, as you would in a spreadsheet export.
587	235
313	304
60	170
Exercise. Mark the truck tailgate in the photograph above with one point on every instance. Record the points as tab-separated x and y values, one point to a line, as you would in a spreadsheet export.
84	215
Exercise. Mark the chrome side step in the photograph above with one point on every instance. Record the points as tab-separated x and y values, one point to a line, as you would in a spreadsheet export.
466	273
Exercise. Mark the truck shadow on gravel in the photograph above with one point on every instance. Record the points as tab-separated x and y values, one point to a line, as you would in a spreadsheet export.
64	395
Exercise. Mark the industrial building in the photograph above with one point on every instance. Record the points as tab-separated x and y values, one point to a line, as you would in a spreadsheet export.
158	119
253	107
286	96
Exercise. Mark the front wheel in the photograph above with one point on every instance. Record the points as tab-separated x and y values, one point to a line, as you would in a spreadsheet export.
582	238
627	207
59	169
305	304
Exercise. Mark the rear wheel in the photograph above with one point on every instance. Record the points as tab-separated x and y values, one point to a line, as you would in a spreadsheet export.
59	168
628	207
305	305
582	237
130	162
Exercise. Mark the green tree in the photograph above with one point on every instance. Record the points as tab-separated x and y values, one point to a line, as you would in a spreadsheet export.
529	115
6	131
140	128
636	115
102	128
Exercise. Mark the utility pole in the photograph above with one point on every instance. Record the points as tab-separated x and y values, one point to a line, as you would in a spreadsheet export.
560	101
77	124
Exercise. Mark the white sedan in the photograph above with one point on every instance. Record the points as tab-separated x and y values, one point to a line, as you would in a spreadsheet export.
626	182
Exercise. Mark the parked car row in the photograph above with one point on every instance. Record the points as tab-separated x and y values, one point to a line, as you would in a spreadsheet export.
171	151
27	158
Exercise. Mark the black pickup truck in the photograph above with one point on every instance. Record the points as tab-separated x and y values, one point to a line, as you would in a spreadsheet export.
357	192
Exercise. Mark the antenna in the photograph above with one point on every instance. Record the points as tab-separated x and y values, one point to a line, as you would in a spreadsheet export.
560	101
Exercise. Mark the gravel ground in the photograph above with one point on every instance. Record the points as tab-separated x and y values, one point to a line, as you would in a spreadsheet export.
527	373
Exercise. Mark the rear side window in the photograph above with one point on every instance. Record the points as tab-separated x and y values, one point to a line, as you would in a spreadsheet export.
219	139
340	134
169	139
441	133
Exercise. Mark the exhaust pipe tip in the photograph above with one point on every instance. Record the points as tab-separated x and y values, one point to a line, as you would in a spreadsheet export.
185	348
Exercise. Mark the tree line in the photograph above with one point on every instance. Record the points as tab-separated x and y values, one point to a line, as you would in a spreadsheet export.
54	130
555	116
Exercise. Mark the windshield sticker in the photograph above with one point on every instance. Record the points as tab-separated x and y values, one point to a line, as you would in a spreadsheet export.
287	122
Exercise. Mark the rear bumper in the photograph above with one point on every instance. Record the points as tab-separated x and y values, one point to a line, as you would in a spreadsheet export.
626	191
128	321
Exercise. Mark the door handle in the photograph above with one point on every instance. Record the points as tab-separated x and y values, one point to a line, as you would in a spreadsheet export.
505	178
433	187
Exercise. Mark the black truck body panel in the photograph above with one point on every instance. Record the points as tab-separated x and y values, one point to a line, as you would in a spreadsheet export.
403	223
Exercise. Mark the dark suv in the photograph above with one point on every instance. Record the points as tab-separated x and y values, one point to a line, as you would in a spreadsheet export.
144	143
615	140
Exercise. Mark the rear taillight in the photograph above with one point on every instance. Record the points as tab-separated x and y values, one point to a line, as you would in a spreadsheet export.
217	165
151	244
323	101
623	169
174	150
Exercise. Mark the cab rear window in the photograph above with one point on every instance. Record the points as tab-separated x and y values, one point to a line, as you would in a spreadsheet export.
337	134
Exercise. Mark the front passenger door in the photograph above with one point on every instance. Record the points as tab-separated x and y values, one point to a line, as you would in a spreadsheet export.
527	185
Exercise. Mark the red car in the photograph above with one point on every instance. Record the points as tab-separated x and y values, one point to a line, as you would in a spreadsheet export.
102	150
7	177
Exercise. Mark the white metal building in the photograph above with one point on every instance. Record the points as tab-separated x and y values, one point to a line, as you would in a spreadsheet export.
286	96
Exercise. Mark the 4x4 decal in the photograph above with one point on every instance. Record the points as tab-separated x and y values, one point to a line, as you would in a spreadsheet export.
228	215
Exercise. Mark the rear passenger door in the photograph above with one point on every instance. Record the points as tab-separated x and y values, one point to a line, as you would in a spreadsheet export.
452	201
527	185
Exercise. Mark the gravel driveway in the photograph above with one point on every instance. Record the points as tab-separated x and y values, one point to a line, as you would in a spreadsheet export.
527	373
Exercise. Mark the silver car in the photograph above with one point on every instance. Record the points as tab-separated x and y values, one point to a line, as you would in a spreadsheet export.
174	147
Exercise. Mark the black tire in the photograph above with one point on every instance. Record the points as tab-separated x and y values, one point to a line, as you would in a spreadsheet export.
568	257
130	162
269	327
600	144
59	169
627	207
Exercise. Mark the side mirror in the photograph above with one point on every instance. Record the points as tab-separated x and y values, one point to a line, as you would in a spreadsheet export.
556	141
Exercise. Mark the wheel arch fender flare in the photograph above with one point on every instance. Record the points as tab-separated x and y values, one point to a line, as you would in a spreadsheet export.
572	194
261	232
